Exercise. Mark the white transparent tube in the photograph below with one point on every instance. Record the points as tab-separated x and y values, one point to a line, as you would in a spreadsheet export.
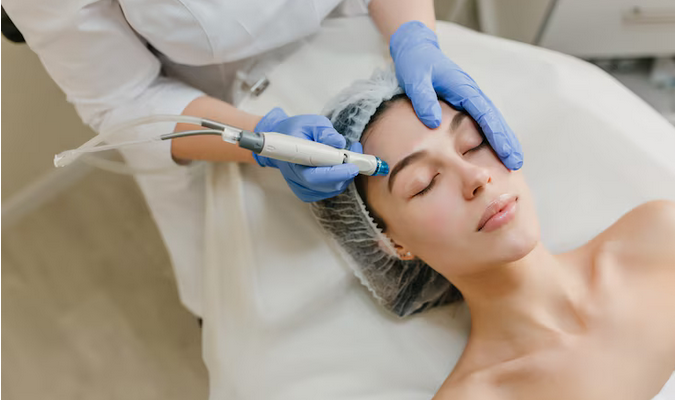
124	169
67	157
72	155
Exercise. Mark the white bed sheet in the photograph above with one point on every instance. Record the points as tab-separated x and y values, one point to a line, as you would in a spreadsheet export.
284	316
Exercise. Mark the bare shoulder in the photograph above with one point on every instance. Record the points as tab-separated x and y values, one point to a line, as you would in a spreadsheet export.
655	214
646	233
467	388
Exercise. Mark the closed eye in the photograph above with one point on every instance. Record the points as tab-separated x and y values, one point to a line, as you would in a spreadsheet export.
426	189
482	144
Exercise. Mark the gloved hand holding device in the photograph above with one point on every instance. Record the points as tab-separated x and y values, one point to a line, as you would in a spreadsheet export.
309	183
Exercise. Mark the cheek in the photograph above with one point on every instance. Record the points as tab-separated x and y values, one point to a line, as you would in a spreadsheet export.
529	220
434	223
437	217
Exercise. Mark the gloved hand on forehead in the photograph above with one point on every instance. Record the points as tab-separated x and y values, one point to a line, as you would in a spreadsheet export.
425	73
309	183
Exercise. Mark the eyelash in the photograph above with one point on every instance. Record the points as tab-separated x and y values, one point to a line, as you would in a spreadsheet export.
426	189
433	180
482	144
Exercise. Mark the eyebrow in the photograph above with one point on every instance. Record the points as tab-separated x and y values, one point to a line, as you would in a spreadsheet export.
411	158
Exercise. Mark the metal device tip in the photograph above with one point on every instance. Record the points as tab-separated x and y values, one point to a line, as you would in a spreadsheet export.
382	168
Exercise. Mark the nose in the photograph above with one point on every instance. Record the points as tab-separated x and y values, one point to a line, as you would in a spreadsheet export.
475	179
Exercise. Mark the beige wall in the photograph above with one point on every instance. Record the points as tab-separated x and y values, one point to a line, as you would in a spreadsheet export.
514	19
37	122
466	16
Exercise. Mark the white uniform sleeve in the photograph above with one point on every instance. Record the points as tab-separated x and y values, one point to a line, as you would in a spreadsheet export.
104	68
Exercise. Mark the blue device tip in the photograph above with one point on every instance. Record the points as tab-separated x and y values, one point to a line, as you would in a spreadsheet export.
382	168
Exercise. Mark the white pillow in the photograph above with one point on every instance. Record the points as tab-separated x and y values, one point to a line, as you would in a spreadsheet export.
285	319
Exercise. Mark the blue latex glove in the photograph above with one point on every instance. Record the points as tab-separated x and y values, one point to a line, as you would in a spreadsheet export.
309	183
423	71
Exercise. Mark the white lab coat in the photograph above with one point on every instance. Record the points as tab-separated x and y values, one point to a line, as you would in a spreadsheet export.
119	60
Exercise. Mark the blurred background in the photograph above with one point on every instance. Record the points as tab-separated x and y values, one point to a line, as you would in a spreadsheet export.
89	305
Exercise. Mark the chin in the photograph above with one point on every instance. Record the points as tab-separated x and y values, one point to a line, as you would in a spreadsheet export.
518	238
518	242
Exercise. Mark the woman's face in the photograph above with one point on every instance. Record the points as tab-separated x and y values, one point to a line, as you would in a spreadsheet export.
440	184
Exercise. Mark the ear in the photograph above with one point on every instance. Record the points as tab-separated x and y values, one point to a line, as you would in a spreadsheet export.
394	248
389	246
403	253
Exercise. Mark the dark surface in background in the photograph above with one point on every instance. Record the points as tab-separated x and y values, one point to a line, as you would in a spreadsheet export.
9	30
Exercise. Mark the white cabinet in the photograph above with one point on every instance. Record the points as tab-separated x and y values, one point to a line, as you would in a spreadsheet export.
586	28
611	28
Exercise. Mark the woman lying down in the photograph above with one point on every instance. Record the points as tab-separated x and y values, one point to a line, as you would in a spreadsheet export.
452	223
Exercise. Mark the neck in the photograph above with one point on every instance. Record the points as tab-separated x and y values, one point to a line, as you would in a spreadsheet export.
525	304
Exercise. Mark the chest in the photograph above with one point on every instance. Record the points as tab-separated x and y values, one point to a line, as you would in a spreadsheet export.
617	367
628	351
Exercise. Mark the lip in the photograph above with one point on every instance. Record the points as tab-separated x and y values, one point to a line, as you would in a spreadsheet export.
496	207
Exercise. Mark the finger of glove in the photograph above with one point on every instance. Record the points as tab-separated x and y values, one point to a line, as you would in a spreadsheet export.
492	127
305	194
496	130
514	160
311	120
342	186
329	136
454	85
313	127
294	176
329	178
356	147
309	196
425	101
267	123
263	161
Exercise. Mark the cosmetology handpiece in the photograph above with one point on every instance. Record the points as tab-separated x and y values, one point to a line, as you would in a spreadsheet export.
269	144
